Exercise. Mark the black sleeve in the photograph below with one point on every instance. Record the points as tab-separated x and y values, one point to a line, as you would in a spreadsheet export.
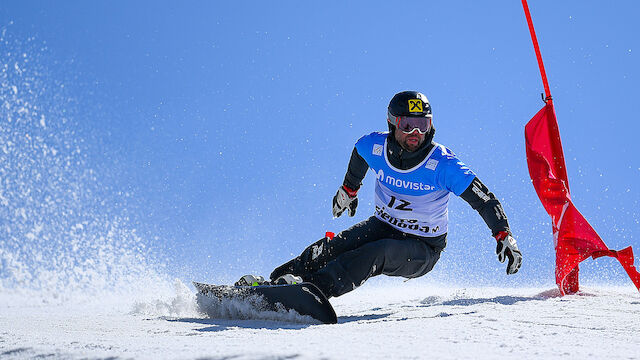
485	203
356	171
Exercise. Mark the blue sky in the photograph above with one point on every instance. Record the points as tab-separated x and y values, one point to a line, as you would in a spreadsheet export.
229	126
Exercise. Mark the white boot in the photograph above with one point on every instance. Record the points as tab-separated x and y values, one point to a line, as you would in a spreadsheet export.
251	280
289	279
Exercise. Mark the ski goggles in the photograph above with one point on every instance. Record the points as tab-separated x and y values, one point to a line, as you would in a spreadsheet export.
407	124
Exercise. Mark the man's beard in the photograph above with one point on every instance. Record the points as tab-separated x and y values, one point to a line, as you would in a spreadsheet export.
413	146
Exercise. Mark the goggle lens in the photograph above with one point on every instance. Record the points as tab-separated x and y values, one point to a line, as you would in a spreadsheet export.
407	124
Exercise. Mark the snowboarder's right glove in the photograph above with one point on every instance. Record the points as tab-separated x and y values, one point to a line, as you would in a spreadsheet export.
508	249
345	198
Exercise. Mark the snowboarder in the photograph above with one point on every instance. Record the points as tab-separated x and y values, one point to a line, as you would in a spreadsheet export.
404	237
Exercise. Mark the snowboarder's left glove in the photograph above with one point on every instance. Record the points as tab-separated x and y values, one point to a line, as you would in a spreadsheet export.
508	249
345	198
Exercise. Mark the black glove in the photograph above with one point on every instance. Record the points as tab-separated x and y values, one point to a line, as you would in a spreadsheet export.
345	198
507	248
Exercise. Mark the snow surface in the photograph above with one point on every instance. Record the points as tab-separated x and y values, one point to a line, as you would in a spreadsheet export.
407	321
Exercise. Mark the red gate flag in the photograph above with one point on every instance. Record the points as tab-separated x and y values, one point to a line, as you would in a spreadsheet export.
574	238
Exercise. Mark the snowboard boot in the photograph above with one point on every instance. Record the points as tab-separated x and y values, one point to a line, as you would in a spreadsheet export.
288	279
251	280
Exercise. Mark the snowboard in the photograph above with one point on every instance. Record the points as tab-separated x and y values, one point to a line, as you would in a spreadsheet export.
304	298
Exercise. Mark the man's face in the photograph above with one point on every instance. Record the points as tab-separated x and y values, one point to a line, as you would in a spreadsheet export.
410	142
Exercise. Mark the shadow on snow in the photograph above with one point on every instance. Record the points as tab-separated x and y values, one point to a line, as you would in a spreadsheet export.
226	324
460	300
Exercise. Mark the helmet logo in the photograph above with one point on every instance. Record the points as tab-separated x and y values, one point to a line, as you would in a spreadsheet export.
415	105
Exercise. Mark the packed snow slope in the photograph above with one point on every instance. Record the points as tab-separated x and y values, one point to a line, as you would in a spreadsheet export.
402	321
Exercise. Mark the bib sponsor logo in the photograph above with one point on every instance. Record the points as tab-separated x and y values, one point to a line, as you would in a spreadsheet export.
409	224
403	184
431	164
377	149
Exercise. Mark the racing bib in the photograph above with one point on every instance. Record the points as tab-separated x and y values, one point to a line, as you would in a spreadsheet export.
416	200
